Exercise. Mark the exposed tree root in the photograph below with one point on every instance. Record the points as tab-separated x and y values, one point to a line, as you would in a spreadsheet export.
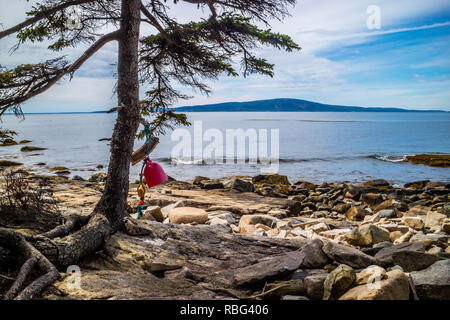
21	278
45	253
17	242
74	222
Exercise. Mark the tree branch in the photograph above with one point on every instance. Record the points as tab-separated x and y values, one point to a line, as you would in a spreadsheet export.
41	16
48	82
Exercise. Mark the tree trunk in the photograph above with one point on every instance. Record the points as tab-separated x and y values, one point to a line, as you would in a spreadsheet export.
113	203
110	211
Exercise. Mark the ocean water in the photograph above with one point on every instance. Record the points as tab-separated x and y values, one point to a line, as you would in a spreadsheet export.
317	147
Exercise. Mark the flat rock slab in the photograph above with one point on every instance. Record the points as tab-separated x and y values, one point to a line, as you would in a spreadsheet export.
433	283
175	262
271	269
413	260
385	254
348	255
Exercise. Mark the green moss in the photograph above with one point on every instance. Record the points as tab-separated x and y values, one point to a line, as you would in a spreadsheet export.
272	179
434	160
63	172
29	148
6	163
59	169
8	142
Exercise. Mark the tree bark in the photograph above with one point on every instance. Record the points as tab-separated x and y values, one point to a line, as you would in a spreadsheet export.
113	203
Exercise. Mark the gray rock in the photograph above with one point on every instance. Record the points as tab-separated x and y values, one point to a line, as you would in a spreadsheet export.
242	185
413	260
212	184
433	283
314	285
338	282
273	268
356	214
367	235
312	255
384	256
430	239
387	213
348	255
77	178
377	248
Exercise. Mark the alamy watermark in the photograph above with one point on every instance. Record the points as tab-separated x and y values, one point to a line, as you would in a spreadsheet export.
213	147
376	275
73	281
73	21
374	19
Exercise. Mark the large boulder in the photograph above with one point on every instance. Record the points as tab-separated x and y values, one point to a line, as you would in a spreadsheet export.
342	207
434	220
208	184
347	255
387	213
183	215
273	179
416	185
279	289
305	185
433	283
356	214
272	185
372	199
247	222
312	256
267	270
395	287
338	281
446	226
378	183
391	204
242	185
413	260
367	235
384	256
414	222
153	213
430	239
314	285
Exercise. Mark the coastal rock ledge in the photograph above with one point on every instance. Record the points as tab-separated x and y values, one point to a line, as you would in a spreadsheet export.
328	241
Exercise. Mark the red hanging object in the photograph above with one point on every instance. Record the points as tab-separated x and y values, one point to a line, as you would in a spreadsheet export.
154	174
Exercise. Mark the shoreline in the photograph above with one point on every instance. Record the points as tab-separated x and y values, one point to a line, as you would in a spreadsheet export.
87	174
239	233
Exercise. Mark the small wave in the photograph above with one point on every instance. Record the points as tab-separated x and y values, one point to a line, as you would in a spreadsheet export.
394	159
305	120
235	160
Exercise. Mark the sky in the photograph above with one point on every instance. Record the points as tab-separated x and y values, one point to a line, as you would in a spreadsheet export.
400	60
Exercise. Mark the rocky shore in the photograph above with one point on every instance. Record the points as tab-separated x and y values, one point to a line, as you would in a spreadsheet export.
264	238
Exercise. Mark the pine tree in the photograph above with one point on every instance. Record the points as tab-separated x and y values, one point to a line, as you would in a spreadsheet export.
176	54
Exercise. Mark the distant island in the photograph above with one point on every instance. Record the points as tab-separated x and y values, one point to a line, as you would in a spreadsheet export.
270	105
286	105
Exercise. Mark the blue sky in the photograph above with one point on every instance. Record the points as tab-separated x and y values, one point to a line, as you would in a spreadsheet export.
406	63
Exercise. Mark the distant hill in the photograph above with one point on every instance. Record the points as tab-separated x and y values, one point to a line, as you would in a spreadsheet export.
286	105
